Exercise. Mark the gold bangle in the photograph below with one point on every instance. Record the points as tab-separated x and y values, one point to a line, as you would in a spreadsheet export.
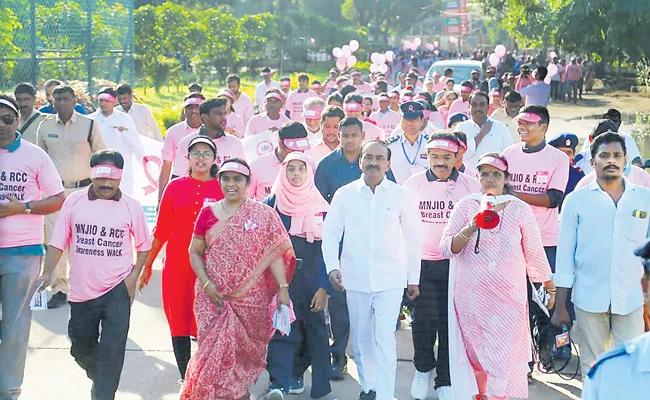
205	285
284	285
462	235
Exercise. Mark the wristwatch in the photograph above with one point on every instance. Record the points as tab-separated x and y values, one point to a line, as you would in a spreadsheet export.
28	209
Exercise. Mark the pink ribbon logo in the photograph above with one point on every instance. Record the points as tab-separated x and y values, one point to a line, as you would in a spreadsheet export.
153	183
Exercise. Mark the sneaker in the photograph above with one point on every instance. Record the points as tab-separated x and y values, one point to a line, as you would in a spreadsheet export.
59	299
371	395
338	371
275	394
444	393
420	385
297	386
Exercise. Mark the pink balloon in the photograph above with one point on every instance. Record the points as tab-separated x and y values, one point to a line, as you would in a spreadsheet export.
494	60
418	41
552	69
346	51
337	52
340	65
352	60
414	46
436	43
436	52
407	43
500	50
383	68
390	56
374	68
374	57
354	45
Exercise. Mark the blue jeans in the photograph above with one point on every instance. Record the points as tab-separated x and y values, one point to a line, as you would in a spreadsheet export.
18	275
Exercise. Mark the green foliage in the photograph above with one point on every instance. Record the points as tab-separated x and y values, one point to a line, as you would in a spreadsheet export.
10	26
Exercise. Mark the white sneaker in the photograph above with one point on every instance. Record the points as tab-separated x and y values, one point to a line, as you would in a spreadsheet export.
444	393
420	385
275	394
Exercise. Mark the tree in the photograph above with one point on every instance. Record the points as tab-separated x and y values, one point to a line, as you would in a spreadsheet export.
258	30
10	26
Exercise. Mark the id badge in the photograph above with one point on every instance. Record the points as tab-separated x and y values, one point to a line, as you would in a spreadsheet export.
542	177
209	201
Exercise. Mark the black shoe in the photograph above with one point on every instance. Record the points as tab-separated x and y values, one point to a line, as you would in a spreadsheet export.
59	299
338	371
371	395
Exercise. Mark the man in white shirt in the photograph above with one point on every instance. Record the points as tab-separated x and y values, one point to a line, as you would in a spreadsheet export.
242	104
262	87
600	227
583	159
512	102
484	135
119	133
380	256
140	113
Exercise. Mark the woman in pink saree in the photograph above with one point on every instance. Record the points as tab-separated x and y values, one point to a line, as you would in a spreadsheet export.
242	256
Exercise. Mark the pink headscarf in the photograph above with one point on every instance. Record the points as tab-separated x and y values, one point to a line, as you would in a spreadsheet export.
304	204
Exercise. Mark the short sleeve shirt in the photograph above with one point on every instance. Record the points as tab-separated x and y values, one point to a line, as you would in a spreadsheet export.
228	146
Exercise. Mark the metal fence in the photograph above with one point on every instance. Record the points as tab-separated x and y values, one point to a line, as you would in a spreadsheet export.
68	40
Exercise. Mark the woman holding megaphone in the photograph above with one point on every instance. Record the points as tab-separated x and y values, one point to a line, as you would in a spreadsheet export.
494	242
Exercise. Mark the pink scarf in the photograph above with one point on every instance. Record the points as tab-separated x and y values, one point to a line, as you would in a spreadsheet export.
304	204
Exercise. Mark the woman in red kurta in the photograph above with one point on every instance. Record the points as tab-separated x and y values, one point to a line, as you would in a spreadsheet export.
180	205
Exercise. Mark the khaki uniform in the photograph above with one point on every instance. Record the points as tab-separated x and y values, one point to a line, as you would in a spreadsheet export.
70	147
29	134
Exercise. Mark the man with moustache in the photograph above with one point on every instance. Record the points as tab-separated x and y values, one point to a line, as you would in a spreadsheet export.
484	135
601	268
271	119
101	226
263	87
379	257
353	107
330	119
176	133
30	187
57	135
312	113
435	191
25	95
385	118
141	114
49	108
512	102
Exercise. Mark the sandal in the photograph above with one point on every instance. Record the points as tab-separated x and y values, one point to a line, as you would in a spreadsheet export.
530	378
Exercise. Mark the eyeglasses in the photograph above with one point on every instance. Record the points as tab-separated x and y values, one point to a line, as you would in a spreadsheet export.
208	155
8	119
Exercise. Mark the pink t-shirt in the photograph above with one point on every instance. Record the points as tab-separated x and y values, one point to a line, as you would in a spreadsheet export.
573	72
435	201
173	137
236	123
373	132
228	146
364	88
458	106
101	235
261	122
318	152
386	121
294	103
27	174
537	173
264	170
438	87
637	176
244	108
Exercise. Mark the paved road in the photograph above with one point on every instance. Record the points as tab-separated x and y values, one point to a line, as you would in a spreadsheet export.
150	371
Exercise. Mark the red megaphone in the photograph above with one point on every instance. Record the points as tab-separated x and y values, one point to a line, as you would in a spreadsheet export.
487	218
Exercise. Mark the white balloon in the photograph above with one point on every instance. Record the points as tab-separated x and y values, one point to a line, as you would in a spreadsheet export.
383	68
352	60
494	60
340	65
346	51
354	45
418	41
374	68
374	58
414	46
500	50
337	52
381	59
390	56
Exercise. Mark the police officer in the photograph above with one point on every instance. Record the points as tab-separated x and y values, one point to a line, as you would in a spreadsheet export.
623	373
408	150
70	139
567	142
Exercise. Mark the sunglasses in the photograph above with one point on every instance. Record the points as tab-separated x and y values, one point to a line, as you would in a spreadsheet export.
208	155
8	119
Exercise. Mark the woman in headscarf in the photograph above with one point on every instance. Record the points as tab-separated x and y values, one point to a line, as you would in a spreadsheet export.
301	208
180	205
242	256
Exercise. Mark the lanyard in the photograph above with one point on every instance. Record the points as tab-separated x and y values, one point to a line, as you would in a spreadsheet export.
415	159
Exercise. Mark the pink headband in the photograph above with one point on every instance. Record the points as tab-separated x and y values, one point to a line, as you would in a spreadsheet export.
234	166
193	101
316	86
227	93
466	89
106	96
265	74
285	83
443	144
462	144
312	113
274	95
8	104
105	171
384	97
353	107
394	95
493	161
528	117
297	144
406	98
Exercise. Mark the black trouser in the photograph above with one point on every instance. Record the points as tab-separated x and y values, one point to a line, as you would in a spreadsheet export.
340	325
430	321
102	360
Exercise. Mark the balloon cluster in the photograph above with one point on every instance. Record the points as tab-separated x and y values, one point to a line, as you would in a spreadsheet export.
379	61
344	56
499	52
411	45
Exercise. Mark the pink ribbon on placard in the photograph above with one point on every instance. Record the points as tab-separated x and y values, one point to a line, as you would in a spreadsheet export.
153	183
